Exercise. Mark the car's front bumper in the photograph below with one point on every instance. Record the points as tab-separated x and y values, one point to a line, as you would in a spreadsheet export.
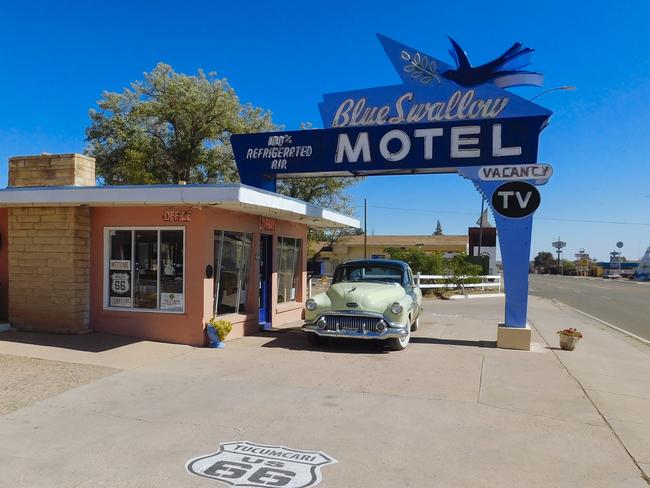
393	330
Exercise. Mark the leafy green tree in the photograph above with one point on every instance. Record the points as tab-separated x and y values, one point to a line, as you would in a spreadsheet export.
463	271
174	127
419	261
568	266
544	262
438	231
170	127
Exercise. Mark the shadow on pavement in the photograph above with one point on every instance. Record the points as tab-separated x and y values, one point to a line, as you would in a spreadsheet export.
295	340
91	342
453	342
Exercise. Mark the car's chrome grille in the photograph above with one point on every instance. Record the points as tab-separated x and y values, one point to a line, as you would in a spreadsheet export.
351	323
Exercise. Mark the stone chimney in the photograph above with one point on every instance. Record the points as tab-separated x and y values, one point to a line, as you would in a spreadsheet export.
49	247
52	170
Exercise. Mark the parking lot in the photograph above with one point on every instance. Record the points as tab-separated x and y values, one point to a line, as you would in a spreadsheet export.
451	410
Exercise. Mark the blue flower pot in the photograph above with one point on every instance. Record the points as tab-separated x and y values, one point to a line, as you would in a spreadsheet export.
214	338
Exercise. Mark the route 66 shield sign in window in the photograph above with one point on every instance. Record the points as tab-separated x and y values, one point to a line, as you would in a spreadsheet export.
120	292
120	283
245	464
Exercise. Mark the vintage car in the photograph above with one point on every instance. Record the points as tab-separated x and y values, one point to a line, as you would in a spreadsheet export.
368	299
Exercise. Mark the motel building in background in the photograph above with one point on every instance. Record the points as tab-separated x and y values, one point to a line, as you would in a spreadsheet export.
150	261
352	247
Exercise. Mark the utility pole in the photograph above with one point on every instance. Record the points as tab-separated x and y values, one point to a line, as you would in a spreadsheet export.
365	228
480	232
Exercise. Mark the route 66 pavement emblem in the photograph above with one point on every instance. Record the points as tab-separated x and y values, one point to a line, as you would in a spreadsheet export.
245	464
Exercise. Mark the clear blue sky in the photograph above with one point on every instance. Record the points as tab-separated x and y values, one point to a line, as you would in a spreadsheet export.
58	57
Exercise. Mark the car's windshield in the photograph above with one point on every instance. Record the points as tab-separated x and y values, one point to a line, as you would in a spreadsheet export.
387	274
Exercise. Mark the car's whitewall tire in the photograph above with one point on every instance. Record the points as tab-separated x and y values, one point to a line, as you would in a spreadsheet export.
401	343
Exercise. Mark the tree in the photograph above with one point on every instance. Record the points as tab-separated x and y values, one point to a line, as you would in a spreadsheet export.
568	267
419	261
462	270
544	262
170	127
174	127
438	231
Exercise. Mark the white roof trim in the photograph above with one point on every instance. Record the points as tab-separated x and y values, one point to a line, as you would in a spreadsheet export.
240	198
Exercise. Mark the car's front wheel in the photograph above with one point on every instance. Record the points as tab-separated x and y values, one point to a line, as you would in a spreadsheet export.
316	340
400	344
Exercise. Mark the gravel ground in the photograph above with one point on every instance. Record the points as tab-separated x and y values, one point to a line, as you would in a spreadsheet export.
25	381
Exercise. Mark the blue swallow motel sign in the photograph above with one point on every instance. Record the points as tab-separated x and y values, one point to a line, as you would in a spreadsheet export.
441	118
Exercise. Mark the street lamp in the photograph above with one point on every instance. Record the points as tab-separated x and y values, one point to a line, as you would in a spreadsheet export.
557	88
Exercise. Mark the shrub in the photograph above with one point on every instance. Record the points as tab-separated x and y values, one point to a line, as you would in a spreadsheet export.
419	261
222	327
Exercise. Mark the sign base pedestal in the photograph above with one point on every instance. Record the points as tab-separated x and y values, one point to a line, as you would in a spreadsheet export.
513	337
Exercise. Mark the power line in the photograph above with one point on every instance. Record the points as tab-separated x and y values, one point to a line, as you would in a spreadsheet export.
554	219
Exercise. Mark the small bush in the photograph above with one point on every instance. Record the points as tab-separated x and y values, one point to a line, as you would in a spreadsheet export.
222	327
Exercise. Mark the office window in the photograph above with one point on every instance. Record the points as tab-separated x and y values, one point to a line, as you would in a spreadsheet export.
146	269
288	268
232	256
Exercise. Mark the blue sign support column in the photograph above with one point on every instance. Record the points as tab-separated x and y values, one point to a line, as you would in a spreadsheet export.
515	244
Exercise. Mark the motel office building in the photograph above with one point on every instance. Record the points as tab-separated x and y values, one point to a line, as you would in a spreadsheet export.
152	261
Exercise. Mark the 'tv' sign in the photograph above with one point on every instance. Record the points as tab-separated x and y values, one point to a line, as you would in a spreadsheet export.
516	199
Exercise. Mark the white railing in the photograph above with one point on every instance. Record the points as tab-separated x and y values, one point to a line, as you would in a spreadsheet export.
425	282
487	281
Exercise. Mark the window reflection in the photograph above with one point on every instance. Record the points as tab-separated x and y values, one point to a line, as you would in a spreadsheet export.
145	289
146	269
232	254
288	268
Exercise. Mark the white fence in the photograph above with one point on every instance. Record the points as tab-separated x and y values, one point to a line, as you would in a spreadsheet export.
447	282
424	282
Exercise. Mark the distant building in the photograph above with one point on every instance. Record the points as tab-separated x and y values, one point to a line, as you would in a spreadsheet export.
585	265
483	242
611	269
352	247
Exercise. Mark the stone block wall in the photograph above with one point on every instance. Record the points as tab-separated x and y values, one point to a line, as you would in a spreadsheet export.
49	247
52	170
49	258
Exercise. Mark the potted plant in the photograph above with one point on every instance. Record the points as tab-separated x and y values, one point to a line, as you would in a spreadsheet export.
569	338
217	331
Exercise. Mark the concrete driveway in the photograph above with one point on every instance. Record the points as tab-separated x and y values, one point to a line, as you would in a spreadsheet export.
450	411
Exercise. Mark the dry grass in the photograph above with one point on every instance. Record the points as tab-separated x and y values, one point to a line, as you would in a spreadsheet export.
25	381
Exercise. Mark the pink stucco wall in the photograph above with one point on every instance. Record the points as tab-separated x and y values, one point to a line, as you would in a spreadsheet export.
188	327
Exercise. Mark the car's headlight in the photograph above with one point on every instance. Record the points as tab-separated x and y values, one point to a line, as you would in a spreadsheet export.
396	308
311	304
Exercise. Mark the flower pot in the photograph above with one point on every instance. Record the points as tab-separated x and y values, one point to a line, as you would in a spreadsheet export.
214	338
567	342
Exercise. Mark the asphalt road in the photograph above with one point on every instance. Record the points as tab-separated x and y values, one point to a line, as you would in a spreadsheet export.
621	303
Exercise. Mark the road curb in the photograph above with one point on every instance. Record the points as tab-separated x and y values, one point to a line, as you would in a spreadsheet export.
482	295
611	326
